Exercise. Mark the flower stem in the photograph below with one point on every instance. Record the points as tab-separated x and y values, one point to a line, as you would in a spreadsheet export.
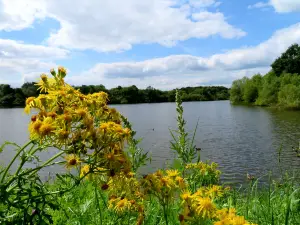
13	160
165	214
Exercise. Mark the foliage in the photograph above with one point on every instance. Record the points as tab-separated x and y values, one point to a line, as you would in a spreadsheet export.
10	97
283	91
279	87
288	62
275	202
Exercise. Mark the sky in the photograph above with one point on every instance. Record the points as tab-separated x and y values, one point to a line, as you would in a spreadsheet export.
165	44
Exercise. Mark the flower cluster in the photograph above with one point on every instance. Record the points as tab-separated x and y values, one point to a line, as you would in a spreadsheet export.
229	217
203	173
163	184
82	126
202	206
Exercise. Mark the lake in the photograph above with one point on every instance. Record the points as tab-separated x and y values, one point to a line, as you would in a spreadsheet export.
240	139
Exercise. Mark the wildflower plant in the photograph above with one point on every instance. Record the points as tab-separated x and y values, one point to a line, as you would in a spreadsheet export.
181	144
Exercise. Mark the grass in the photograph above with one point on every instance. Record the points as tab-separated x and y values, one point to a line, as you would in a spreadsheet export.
276	204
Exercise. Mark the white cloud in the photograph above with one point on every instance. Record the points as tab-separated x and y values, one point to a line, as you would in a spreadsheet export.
116	25
284	6
19	14
17	59
15	49
280	6
176	69
259	5
16	71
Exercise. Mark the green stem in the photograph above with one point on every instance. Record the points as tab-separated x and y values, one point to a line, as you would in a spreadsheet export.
27	172
98	204
165	214
24	161
35	170
13	160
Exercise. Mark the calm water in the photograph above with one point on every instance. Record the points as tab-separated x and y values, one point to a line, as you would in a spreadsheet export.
240	139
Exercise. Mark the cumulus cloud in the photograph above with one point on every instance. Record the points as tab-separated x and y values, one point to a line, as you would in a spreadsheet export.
19	14
280	6
116	25
17	59
16	71
248	57
15	49
176	69
285	6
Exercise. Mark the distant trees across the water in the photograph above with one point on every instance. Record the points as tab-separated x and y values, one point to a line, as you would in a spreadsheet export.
279	87
11	97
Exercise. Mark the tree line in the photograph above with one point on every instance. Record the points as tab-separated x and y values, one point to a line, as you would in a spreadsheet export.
280	87
15	97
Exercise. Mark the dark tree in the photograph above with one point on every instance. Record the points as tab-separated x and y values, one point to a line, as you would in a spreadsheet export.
288	62
29	89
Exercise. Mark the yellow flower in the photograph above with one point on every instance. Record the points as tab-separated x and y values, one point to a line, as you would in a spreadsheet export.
29	104
62	72
205	208
200	192
104	126
159	173
84	170
35	126
122	205
29	100
172	173
239	220
167	182
81	112
180	182
215	191
72	160
127	131
43	83
47	127
186	195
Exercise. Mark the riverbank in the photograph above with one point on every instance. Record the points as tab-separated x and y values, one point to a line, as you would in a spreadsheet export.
273	106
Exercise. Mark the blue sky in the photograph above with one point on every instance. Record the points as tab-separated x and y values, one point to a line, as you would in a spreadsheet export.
162	43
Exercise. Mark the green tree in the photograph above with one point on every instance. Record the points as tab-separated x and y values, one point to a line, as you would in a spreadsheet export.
5	89
288	62
237	90
268	95
289	96
29	89
251	88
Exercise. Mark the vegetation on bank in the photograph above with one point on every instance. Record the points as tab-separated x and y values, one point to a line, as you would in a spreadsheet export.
102	183
280	87
13	97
